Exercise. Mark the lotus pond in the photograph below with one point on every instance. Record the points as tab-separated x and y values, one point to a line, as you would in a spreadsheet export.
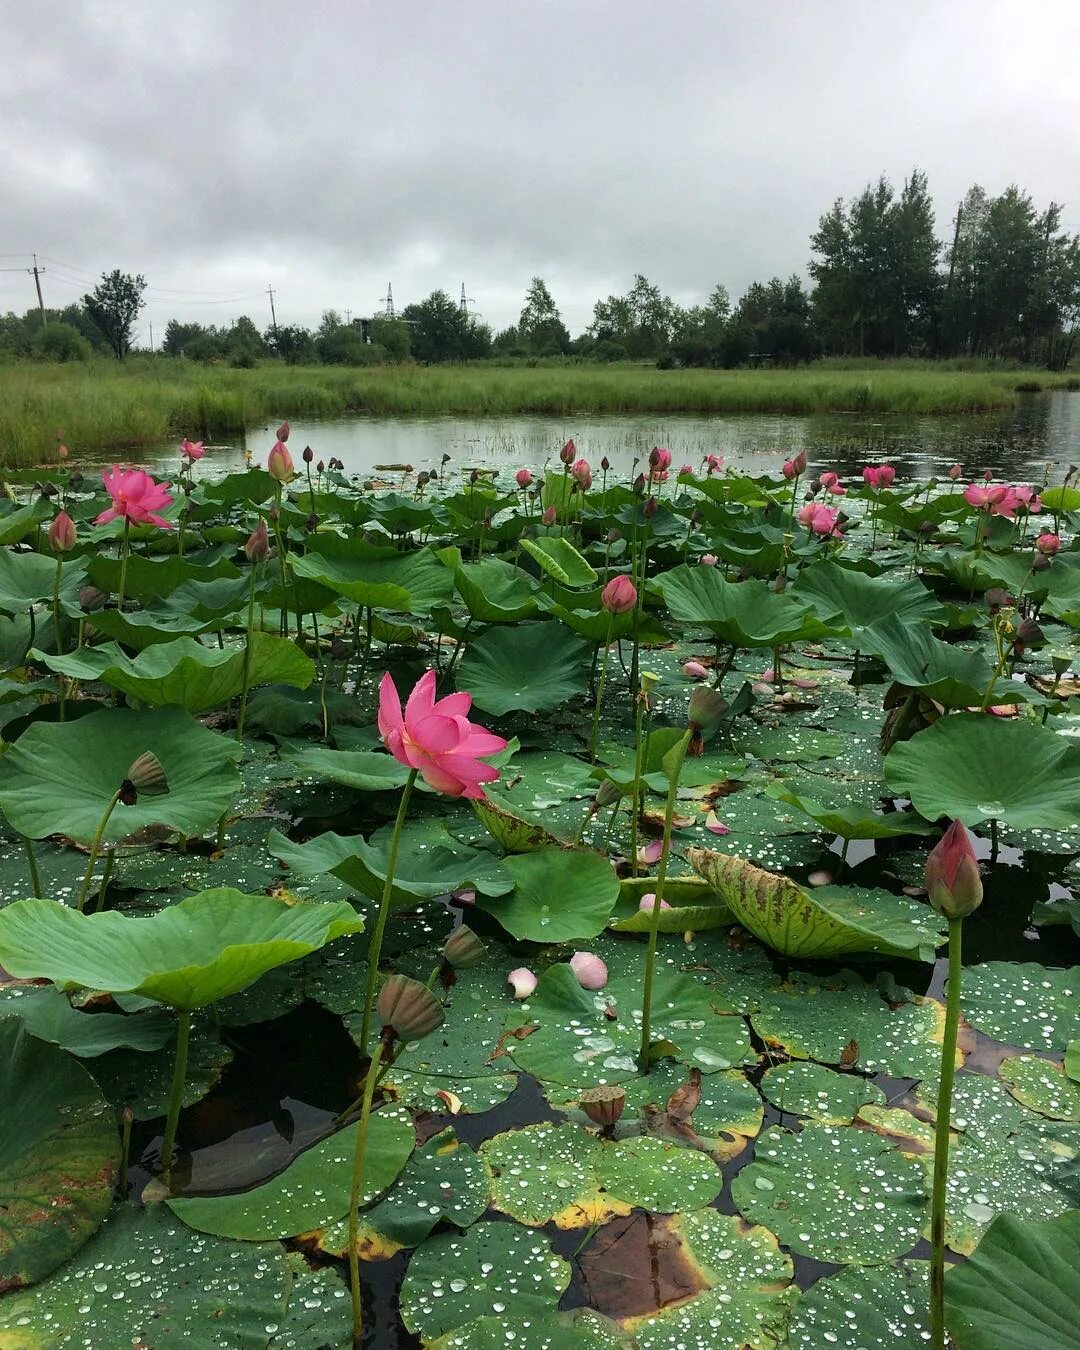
538	910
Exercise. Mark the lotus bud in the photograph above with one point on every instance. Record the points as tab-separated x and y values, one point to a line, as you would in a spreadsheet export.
308	455
604	1105
463	948
582	474
707	709
650	507
613	536
619	596
282	432
523	478
999	598
1029	634
145	778
694	670
1040	562
548	518
279	464
1048	544
311	523
589	971
522	982
257	545
321	466
647	903
607	794
952	874
567	453
605	464
91	599
639	485
63	535
955	472
408	1008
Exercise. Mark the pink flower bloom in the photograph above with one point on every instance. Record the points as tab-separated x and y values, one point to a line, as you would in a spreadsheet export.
523	478
437	738
62	534
135	497
521	981
1026	498
831	483
619	596
694	670
548	518
659	459
647	903
257	545
707	560
985	497
794	468
715	463
658	475
878	476
582	474
567	453
589	971
279	463
1047	544
191	449
820	519
952	874
955	472
687	468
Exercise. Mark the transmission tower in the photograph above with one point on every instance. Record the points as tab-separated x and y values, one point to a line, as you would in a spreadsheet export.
465	301
388	302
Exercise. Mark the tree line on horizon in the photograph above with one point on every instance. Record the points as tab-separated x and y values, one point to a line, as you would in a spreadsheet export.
1005	286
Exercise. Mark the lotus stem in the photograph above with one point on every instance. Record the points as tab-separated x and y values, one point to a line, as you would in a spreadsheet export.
941	1139
35	879
106	877
247	658
125	548
58	637
635	790
279	539
384	911
354	1195
600	692
126	1117
176	1094
679	752
95	849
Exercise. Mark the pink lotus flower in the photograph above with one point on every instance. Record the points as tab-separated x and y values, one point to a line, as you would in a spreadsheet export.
567	453
282	432
437	738
715	463
794	468
955	472
191	450
820	519
1027	499
548	518
619	596
878	476
135	497
707	560
589	971
523	478
582	474
831	483
952	874
647	903
694	670
62	451
279	463
522	982
62	534
687	468
659	459
984	498
257	544
1047	544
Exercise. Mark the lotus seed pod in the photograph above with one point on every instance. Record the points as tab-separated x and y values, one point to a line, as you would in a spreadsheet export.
463	948
604	1105
147	776
408	1008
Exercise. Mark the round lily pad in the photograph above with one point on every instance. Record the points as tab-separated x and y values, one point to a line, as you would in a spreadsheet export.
577	1329
60	1152
748	1296
145	1279
834	1193
1023	1004
1042	1086
494	1270
559	895
864	1308
532	667
444	1180
543	1174
658	1175
804	1089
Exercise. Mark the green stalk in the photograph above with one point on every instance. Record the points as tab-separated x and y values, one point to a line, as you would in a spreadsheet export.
354	1195
679	752
600	692
384	911
279	539
59	641
176	1093
125	547
31	859
941	1140
126	1117
638	764
106	877
95	848
247	658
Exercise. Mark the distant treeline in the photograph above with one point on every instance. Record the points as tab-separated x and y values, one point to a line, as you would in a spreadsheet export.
1004	286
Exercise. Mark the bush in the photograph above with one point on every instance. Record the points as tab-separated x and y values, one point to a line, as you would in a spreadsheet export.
60	342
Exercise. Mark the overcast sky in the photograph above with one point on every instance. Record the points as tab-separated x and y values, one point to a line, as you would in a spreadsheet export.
331	146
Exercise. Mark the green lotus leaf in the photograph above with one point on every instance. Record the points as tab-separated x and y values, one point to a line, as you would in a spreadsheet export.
532	667
158	623
512	832
144	1280
364	770
196	952
443	1181
1018	1289
823	922
975	768
810	1090
575	1329
319	1312
1043	1086
816	1189
60	1153
745	613
865	1306
559	895
862	602
1023	1003
1072	1060
60	777
494	1270
187	674
29	578
658	1175
143	1082
371	575
495	592
949	675
854	822
47	1014
312	1191
558	558
16	522
695	906
154	579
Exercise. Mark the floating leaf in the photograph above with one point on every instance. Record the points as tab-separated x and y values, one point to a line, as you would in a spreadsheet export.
532	667
60	1153
559	895
1042	1086
864	1306
658	1175
1023	1003
48	1015
549	1174
745	614
444	1180
855	822
370	575
364	770
803	1089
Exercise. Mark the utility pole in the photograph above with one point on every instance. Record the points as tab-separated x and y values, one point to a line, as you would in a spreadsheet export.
388	301
37	282
273	313
151	339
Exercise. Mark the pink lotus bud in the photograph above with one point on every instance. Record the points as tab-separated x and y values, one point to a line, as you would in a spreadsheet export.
647	903
659	458
521	981
794	468
523	478
62	451
955	472
567	453
988	474
707	560
886	475
548	518
282	432
619	596
605	464
831	483
321	467
952	874
1048	544
650	508
589	971
639	485
687	468
694	670
63	535
582	474
309	455
257	546
279	464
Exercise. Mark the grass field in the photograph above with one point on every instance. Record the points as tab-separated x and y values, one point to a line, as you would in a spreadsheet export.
105	406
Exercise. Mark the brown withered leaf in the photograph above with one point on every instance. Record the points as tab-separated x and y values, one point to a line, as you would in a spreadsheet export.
686	1099
514	1034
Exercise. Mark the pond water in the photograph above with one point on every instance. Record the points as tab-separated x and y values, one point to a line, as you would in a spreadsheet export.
1044	430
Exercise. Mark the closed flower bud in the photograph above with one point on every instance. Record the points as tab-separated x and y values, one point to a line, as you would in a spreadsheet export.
548	518
604	1105
619	596
282	432
523	478
522	982
257	545
952	874
463	948
309	455
91	599
567	453
955	472
589	971
62	534
408	1008
320	467
1048	544
279	464
650	507
639	485
694	670
605	464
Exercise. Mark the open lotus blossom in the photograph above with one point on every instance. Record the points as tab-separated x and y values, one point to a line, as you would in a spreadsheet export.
714	463
619	596
1026	498
659	458
437	738
192	449
522	982
135	497
523	478
1048	544
878	475
794	468
694	670
647	903
984	497
820	519
589	971
831	483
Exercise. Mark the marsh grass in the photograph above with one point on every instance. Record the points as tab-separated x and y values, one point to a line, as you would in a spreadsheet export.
104	406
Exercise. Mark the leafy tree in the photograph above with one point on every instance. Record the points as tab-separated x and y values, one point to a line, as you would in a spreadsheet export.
114	304
180	336
393	337
293	344
643	322
540	329
441	331
244	343
59	342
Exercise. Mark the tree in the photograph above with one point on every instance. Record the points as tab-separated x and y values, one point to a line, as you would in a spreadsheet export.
442	331
393	337
295	345
179	336
540	329
643	322
60	342
114	304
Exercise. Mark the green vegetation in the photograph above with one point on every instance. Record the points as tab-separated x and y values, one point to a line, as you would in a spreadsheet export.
107	407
